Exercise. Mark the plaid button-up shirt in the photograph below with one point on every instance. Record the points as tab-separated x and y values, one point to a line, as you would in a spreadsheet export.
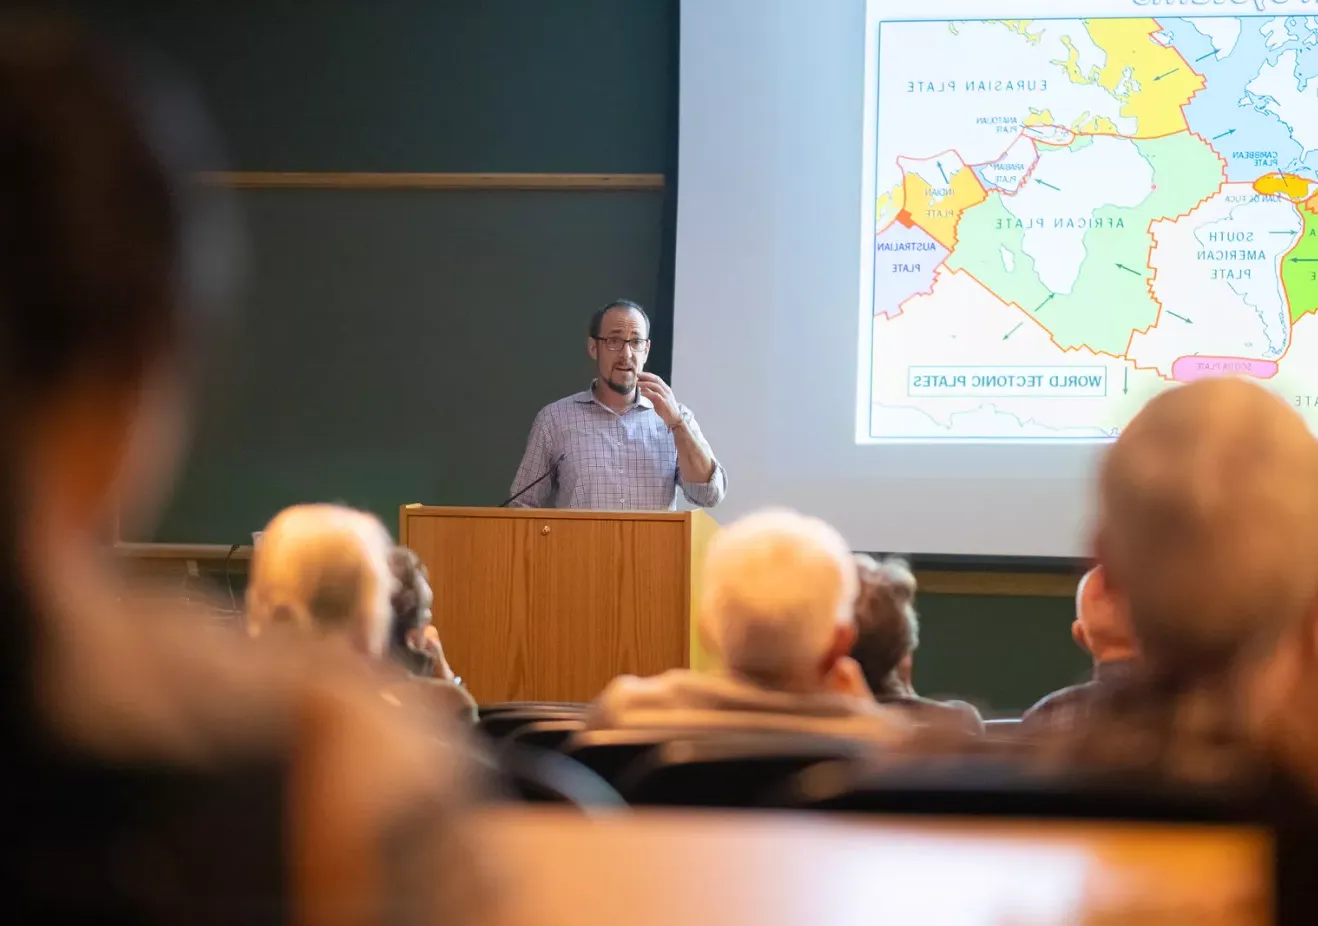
607	461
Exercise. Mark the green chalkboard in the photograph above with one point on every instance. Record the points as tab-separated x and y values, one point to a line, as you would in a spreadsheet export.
554	86
395	346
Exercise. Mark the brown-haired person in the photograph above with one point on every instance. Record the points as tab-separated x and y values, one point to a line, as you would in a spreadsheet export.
158	771
414	643
1207	510
887	635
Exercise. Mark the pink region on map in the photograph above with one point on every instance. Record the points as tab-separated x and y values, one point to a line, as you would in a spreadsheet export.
1188	369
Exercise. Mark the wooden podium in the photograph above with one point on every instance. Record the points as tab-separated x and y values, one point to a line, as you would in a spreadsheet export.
543	604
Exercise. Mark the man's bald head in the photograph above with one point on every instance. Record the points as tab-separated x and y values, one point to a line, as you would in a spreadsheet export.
1208	521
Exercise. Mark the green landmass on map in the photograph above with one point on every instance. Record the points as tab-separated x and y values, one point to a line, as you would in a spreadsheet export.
985	232
1110	297
1108	301
1299	270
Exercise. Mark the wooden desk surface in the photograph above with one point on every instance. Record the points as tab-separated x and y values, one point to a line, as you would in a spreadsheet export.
727	869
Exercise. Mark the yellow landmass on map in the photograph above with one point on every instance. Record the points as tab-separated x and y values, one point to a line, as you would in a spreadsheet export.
1040	117
1101	125
1072	63
889	204
1292	187
938	209
1165	81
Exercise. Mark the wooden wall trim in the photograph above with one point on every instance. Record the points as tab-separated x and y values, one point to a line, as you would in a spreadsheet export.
997	584
200	552
301	180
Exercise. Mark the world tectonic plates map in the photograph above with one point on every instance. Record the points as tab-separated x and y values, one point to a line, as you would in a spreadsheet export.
1071	215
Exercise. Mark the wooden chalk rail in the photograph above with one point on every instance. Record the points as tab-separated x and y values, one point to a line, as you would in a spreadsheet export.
931	581
354	180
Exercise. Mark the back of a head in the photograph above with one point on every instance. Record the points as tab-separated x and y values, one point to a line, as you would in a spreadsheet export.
324	567
110	261
1208	507
109	253
778	585
887	630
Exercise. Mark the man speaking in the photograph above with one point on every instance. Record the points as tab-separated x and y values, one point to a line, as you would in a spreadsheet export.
625	443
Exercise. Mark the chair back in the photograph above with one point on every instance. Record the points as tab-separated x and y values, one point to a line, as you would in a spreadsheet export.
538	776
503	707
732	770
610	752
503	723
545	734
997	787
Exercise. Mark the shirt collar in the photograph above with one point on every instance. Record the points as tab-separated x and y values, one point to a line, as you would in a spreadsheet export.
587	397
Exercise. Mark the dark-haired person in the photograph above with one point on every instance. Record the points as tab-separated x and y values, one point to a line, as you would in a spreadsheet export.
414	643
887	634
158	770
623	444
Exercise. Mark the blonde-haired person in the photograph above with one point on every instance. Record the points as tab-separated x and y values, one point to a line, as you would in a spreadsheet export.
334	572
324	569
888	633
778	611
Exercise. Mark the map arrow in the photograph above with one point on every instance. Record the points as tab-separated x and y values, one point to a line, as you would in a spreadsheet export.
1045	302
1012	331
1202	57
1288	231
943	172
1168	74
1048	185
1223	135
1181	317
1130	270
1304	260
1125	381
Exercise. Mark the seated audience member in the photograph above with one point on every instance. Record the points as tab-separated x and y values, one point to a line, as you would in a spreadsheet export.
328	569
1208	523
778	610
414	642
887	634
324	568
1102	629
159	769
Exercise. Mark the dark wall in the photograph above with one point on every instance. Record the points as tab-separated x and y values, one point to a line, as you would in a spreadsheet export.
395	346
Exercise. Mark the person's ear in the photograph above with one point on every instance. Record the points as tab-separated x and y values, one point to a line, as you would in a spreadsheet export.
844	638
593	349
1081	638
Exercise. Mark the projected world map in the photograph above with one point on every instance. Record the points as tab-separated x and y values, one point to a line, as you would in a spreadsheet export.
1072	215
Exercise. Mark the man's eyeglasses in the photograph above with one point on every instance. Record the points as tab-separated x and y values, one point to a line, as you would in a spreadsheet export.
638	345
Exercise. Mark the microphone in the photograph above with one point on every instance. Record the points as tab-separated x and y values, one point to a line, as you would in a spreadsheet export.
553	468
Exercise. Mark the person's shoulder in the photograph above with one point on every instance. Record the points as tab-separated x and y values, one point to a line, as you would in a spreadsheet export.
960	713
629	689
565	404
676	689
1054	706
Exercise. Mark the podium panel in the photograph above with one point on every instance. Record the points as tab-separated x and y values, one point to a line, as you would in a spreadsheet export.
536	604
